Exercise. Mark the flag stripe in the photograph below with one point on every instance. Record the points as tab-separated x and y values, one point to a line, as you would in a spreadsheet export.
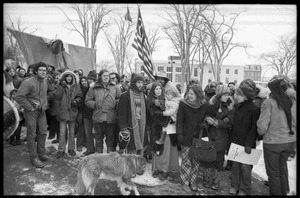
141	44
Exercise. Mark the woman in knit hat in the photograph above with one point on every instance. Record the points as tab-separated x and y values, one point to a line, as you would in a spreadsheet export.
221	106
92	77
244	133
277	124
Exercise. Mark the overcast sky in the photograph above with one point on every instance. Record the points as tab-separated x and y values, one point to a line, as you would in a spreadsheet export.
259	26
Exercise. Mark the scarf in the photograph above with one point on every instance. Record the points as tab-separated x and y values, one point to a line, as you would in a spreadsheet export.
138	127
194	104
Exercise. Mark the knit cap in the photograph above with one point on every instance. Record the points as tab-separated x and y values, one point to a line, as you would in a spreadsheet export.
222	89
92	75
136	77
245	90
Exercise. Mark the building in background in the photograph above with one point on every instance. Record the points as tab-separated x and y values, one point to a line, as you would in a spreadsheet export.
229	73
252	72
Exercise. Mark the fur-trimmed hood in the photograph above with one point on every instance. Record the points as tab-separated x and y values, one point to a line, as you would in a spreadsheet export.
262	91
230	102
62	76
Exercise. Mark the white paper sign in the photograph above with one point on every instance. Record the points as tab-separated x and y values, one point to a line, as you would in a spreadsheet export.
170	128
237	153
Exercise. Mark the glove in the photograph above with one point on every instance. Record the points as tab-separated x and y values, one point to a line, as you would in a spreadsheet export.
63	84
180	139
247	149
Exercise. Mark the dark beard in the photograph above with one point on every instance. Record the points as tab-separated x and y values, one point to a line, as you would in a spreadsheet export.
136	89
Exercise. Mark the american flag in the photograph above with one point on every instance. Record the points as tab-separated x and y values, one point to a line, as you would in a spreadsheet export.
141	44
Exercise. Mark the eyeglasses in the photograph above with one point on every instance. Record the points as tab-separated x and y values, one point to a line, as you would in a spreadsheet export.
42	70
113	78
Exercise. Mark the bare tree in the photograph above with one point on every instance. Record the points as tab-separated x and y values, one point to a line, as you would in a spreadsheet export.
105	64
182	22
11	45
119	40
221	32
90	21
153	38
283	58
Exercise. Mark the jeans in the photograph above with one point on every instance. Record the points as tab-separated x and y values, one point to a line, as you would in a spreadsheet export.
241	177
275	156
81	139
36	124
104	129
88	126
62	135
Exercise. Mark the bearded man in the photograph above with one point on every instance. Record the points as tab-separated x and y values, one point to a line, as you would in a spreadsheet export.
132	116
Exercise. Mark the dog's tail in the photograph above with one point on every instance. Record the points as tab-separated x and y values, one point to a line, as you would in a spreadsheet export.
80	187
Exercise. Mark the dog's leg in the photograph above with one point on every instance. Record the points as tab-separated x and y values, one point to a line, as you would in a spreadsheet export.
132	186
122	186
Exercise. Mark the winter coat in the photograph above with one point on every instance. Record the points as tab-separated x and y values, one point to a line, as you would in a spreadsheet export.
220	134
189	120
244	130
272	123
103	101
68	109
33	91
125	118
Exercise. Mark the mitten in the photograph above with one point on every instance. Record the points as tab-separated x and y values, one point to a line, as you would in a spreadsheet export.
247	149
63	84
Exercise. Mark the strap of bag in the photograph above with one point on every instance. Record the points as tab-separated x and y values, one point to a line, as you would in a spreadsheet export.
201	133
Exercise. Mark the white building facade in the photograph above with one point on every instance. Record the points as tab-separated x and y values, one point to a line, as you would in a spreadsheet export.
229	73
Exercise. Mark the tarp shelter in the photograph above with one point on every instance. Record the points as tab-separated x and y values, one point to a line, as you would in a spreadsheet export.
38	49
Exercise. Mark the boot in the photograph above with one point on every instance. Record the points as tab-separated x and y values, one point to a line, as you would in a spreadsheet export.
162	138
216	182
37	163
18	142
12	140
206	179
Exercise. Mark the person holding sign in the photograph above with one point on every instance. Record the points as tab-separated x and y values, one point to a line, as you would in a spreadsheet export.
244	133
277	125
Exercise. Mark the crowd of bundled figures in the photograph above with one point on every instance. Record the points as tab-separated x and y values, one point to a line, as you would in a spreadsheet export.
156	120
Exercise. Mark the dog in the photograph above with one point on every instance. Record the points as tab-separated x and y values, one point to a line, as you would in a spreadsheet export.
112	166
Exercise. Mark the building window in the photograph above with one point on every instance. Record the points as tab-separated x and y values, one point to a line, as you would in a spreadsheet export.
235	71
235	81
227	71
195	72
160	68
226	80
177	77
178	69
209	80
169	75
209	71
169	69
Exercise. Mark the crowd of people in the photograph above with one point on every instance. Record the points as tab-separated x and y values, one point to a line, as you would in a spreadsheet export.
131	115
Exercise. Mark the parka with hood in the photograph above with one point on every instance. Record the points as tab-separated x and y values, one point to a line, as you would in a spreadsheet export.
70	98
103	100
